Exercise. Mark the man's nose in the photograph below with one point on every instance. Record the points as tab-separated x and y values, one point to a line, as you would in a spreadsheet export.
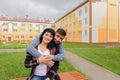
58	39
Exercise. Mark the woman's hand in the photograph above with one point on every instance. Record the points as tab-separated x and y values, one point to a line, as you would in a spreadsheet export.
47	78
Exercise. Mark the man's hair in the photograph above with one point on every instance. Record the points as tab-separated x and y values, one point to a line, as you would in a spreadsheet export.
61	31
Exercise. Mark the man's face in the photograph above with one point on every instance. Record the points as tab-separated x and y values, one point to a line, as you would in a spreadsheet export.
58	38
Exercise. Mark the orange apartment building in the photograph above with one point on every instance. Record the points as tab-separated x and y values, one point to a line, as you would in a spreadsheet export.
93	21
21	29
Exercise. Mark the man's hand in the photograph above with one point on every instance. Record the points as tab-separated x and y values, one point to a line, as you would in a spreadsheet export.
50	64
51	56
43	59
46	59
47	78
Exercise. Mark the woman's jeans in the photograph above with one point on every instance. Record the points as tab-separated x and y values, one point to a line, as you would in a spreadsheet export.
35	77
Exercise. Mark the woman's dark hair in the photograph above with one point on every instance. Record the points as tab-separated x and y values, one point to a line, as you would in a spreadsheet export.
51	44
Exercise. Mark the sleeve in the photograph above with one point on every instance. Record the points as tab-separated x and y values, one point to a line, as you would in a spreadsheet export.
60	53
29	61
52	73
31	48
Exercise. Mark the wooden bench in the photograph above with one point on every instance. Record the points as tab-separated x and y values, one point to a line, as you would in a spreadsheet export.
66	76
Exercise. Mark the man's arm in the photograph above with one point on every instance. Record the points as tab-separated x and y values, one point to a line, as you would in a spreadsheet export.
60	55
31	48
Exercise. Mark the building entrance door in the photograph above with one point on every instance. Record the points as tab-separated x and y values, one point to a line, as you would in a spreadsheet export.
9	39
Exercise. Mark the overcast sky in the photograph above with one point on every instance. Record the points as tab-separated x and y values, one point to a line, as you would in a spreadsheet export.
37	9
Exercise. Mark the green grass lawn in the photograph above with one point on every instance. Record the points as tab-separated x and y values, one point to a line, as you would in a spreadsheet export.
12	66
77	45
108	58
13	45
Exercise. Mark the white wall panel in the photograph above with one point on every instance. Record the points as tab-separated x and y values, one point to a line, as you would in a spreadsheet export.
99	11
94	35
85	35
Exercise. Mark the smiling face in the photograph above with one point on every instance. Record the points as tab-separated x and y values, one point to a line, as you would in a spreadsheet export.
47	37
58	38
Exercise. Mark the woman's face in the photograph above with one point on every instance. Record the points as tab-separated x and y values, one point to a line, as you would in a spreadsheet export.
47	37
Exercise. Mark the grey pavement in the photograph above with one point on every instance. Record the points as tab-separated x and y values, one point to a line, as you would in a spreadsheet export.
12	50
91	70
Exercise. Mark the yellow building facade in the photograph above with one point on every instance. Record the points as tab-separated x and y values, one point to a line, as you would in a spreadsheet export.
93	21
21	29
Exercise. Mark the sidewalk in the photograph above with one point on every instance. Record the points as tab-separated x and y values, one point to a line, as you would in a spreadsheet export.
92	71
12	50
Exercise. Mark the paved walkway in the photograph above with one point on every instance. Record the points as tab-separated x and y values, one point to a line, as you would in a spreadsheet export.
12	50
92	71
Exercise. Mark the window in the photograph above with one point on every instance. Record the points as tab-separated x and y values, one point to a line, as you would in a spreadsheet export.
80	22
22	24
30	25
4	29
30	30
37	25
73	33
22	36
15	27
70	18
37	30
45	26
86	9
66	19
4	23
86	21
22	30
15	30
74	24
73	15
80	12
30	36
85	32
104	0
17	36
70	26
3	36
79	33
15	24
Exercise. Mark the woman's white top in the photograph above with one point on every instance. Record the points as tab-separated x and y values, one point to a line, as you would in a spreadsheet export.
41	69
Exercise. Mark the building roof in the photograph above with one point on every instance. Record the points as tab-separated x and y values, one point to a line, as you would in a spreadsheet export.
81	4
26	19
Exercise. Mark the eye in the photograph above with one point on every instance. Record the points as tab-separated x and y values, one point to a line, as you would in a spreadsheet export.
61	39
57	35
46	34
51	36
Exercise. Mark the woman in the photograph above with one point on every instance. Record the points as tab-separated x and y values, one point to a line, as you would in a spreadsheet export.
39	71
